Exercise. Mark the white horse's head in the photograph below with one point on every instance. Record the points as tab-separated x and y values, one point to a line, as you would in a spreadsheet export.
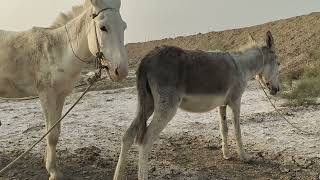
108	37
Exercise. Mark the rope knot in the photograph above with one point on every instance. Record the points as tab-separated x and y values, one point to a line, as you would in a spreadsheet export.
93	77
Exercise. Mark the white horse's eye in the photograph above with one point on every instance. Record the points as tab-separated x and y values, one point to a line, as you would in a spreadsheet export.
103	28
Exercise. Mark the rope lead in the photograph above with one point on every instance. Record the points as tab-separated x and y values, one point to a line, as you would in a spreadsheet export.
91	82
282	116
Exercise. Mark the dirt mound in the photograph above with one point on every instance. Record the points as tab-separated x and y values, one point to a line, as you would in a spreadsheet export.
296	39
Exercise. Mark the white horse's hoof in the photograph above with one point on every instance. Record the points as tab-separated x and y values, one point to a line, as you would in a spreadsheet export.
226	155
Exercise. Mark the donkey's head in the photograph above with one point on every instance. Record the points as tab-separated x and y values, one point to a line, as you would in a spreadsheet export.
269	74
108	37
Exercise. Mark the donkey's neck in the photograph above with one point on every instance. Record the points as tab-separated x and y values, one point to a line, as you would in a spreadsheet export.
250	62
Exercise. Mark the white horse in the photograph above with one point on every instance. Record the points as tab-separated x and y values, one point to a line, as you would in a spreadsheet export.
46	62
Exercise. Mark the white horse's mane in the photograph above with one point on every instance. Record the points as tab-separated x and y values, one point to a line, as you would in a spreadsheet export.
63	18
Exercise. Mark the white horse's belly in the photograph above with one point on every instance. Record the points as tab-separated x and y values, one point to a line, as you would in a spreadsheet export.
16	75
16	89
202	103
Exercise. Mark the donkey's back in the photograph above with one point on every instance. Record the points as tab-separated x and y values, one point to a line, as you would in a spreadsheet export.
204	80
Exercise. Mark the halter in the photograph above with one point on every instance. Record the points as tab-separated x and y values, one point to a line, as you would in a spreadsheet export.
99	55
261	52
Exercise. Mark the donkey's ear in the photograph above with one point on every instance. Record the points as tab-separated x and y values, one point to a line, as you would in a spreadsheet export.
269	40
251	38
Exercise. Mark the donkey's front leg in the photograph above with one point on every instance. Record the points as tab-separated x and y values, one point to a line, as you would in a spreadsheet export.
52	105
235	106
224	131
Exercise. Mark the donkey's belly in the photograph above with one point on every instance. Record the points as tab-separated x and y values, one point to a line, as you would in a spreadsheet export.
202	103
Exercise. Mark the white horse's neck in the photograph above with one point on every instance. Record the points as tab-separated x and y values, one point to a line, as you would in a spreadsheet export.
250	62
75	37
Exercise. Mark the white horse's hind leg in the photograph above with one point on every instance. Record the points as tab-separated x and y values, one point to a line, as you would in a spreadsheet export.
165	109
224	131
52	107
235	106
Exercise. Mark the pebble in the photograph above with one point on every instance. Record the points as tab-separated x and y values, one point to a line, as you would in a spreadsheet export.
284	169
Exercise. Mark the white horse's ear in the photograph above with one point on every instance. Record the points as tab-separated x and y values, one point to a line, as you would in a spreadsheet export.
96	3
87	3
269	40
106	3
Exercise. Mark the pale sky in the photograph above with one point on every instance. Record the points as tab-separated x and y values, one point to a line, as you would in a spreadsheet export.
157	19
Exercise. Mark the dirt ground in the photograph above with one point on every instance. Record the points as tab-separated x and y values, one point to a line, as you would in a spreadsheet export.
189	148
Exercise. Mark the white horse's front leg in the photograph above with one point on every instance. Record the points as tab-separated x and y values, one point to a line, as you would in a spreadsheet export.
235	106
52	105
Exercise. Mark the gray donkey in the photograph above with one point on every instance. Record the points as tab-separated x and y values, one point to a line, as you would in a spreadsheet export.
196	81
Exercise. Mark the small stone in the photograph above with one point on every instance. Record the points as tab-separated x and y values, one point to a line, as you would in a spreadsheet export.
284	169
271	140
153	169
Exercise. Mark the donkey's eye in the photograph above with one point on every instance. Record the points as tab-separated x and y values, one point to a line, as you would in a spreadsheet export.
278	63
103	28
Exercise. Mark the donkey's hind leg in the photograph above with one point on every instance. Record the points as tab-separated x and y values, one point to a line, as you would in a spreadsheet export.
224	131
165	109
138	124
235	106
52	105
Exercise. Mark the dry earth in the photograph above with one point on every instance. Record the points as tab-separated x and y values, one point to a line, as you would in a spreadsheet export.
189	148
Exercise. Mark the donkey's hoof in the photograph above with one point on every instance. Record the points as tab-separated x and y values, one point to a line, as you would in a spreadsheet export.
119	178
56	176
245	158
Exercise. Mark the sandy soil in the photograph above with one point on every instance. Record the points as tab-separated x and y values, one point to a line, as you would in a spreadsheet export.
189	148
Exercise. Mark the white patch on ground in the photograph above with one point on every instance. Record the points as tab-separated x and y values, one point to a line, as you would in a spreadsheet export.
102	117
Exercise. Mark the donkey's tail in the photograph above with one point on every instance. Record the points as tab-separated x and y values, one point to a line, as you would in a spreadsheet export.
145	103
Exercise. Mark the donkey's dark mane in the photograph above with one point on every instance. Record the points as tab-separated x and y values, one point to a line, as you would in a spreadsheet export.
167	51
